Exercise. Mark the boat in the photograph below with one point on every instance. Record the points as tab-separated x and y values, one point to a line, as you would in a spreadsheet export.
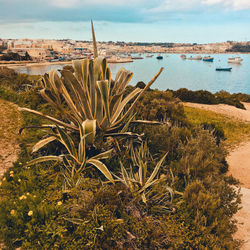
235	60
208	59
183	57
195	58
223	69
147	55
136	57
119	60
159	57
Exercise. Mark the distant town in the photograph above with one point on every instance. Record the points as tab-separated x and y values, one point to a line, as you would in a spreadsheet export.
41	50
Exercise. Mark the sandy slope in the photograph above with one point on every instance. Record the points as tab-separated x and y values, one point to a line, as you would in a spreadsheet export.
10	121
239	166
224	109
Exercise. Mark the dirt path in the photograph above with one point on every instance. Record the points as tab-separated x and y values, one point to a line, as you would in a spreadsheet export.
239	166
227	110
10	121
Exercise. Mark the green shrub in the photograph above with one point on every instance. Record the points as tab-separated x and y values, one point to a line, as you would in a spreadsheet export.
160	106
200	96
205	97
242	97
227	98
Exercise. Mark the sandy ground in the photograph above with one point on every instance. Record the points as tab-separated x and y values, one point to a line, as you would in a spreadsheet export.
226	110
239	166
10	121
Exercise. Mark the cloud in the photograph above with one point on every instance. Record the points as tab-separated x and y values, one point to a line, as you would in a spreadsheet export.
81	3
64	3
177	5
125	11
193	5
234	4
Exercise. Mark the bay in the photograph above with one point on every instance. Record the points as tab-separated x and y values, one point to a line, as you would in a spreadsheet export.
179	73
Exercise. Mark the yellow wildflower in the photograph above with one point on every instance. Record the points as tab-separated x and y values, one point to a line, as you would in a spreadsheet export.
59	203
19	180
23	197
11	172
30	213
12	212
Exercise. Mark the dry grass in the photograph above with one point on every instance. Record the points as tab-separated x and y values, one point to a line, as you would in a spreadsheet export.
236	131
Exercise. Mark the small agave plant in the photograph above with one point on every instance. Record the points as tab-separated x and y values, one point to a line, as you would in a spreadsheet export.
89	94
140	181
75	161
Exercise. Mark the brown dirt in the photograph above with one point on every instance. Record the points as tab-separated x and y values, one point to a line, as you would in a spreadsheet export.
227	110
239	166
10	122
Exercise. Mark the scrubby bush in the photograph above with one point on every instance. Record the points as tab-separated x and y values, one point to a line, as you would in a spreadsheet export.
198	158
200	96
242	97
160	106
205	97
227	98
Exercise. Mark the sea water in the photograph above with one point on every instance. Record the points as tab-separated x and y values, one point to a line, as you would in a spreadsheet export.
179	73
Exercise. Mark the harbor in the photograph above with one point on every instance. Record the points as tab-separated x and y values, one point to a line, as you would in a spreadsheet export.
178	72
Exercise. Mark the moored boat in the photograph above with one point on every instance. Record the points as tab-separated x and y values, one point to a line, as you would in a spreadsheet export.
147	55
235	60
208	59
119	60
195	58
183	56
223	69
137	57
159	57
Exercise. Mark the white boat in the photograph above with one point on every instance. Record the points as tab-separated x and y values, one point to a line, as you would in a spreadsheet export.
235	60
147	55
116	59
195	58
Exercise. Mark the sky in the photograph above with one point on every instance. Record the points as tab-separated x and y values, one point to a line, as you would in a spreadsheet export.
195	21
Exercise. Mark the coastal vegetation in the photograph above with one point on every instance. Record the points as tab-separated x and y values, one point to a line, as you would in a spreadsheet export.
232	132
206	97
104	165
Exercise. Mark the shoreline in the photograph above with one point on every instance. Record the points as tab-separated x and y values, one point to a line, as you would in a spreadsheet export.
17	64
32	64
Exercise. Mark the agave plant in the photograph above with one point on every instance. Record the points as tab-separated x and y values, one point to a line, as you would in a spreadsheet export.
75	161
90	94
140	181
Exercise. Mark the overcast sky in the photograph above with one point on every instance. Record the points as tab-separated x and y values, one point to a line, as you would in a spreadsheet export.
198	21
